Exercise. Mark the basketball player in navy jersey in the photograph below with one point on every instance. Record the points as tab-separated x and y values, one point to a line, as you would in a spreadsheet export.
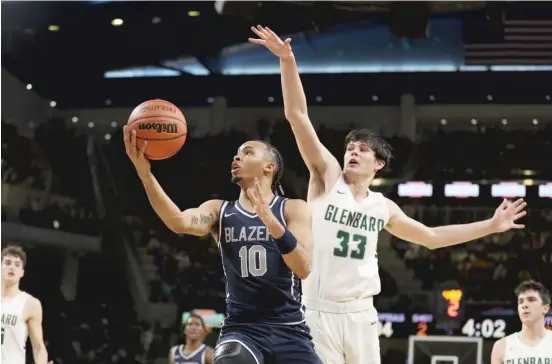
265	242
194	351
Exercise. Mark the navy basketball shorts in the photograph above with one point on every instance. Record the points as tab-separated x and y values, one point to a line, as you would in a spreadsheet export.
273	344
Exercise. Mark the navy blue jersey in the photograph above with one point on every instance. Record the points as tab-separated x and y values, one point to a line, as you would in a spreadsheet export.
197	357
259	285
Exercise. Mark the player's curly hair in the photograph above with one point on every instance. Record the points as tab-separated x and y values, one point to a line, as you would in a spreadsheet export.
276	185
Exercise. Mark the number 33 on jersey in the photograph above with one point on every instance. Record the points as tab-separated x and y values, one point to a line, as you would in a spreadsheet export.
345	231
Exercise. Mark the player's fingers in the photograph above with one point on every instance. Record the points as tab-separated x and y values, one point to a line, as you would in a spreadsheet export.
143	149
257	41
520	207
263	31
271	33
259	32
126	139
252	196
519	202
503	204
518	226
133	142
258	189
520	215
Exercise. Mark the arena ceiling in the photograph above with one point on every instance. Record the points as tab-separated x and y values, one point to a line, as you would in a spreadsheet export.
60	47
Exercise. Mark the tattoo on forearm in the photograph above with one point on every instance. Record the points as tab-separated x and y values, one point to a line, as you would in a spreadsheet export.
203	219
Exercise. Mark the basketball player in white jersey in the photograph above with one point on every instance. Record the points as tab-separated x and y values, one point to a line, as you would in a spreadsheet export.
347	217
533	344
21	312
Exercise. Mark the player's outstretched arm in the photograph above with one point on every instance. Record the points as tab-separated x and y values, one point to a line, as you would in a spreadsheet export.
497	355
293	240
321	163
34	326
408	229
197	221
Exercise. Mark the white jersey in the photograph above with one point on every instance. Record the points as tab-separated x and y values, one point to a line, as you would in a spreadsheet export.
517	352
344	258
14	329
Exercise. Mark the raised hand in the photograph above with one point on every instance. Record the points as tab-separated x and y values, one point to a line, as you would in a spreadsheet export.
137	156
506	215
271	41
260	204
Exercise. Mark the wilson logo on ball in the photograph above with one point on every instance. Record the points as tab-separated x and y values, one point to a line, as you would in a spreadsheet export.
160	127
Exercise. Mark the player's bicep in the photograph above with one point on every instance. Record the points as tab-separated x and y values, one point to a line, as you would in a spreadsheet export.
201	220
406	228
497	355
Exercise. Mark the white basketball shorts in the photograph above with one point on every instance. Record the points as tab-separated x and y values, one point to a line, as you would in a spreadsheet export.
344	332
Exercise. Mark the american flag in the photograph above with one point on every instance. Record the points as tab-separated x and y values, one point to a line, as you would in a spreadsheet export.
521	42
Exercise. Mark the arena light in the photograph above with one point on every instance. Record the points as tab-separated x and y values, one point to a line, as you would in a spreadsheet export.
29	86
443	121
374	98
156	20
90	124
113	124
270	99
508	190
193	13
318	98
75	119
545	190
107	137
53	103
53	28
431	98
490	97
117	22
535	122
504	121
108	102
474	121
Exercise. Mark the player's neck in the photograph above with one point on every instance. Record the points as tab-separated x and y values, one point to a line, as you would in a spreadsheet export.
10	290
192	345
533	331
248	204
358	185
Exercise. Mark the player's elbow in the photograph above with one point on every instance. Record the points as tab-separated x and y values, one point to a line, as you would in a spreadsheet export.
304	271
295	114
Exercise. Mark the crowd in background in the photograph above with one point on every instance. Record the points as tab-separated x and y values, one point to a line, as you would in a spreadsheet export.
188	271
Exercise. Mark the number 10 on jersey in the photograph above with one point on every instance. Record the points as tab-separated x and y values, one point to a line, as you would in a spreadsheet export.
253	261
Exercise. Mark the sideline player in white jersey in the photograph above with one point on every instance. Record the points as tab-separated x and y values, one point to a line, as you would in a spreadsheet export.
21	312
533	344
347	217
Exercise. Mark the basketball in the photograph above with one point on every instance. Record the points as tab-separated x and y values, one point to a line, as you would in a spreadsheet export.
162	125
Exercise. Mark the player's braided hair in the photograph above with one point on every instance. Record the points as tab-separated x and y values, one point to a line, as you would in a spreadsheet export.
276	186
